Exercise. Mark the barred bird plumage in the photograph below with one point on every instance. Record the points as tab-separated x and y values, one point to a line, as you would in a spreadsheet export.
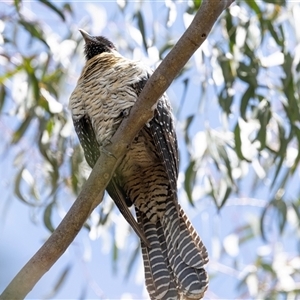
173	253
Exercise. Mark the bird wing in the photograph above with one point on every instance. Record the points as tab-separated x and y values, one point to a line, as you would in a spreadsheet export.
88	140
163	132
162	129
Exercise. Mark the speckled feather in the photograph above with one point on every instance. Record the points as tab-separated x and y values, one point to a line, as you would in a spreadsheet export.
173	253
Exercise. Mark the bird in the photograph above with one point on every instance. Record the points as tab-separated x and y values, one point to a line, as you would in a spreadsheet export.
174	255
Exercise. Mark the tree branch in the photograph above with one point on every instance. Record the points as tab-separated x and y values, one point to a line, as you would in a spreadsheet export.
92	192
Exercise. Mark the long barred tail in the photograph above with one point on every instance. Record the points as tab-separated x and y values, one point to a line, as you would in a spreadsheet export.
174	265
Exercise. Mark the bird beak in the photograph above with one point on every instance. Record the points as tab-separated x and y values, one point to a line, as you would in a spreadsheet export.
87	37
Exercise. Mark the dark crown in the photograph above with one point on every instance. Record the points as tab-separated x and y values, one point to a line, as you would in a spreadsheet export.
95	45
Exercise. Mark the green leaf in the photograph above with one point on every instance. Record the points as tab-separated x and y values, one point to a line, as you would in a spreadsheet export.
249	93
248	73
245	233
225	100
189	180
280	208
193	6
225	197
238	142
10	74
282	150
19	133
262	219
17	4
59	283
213	192
268	268
278	169
167	46
62	278
231	30
296	206
104	215
292	107
17	188
34	192
53	171
2	96
47	216
297	160
183	97
54	8
75	161
253	5
279	39
115	254
223	154
226	66
141	26
187	125
68	7
264	117
33	81
197	4
34	29
277	2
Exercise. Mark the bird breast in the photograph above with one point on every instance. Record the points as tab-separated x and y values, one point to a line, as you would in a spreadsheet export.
105	91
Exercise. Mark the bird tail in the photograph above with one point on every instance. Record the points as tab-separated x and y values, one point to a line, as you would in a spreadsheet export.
174	264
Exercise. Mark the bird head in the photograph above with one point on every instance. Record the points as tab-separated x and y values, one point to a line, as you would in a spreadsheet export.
95	45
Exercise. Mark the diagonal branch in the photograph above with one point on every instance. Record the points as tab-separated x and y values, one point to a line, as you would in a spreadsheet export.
92	192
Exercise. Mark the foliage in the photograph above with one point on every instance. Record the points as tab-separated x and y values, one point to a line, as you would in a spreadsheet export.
239	144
